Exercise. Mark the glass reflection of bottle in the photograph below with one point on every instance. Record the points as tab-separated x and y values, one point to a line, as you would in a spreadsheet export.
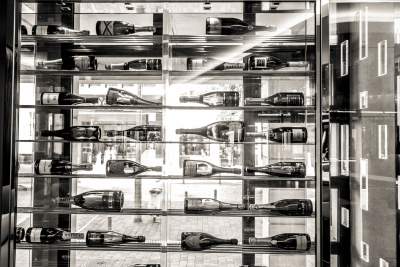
196	241
232	26
109	238
289	207
107	200
65	98
289	241
59	167
120	28
198	205
19	234
49	235
198	168
56	29
279	99
215	99
127	168
76	133
137	64
212	64
222	131
272	63
287	135
70	63
142	133
121	97
281	169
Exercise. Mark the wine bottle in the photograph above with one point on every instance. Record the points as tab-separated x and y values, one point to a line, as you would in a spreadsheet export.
198	168
19	234
271	63
109	238
137	64
59	167
289	207
120	28
109	200
222	131
24	30
199	205
70	63
212	64
279	99
232	26
56	29
49	235
127	168
142	133
215	99
196	241
65	98
290	241
121	97
281	169
76	133
285	135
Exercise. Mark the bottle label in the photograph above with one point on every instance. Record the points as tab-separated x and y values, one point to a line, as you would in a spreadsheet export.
41	30
260	62
106	28
50	98
45	166
110	199
35	235
197	64
68	236
203	169
214	100
297	135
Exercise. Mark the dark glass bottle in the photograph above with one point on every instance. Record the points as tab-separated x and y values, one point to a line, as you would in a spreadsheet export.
290	241
127	168
232	26
279	99
198	168
212	64
70	63
200	205
196	241
24	30
215	99
65	98
107	200
287	135
271	63
142	133
288	207
137	64
76	133
56	29
222	131
19	234
49	235
59	167
109	238
121	97
120	28
281	169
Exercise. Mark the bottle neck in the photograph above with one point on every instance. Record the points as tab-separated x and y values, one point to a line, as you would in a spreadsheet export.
113	133
127	238
216	169
261	207
45	63
266	241
250	101
145	29
92	100
219	241
269	28
117	66
81	167
257	135
198	131
297	63
185	99
229	206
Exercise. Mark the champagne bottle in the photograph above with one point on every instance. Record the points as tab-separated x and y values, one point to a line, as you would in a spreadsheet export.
109	238
232	26
222	131
289	207
56	29
285	135
142	133
137	64
121	97
24	30
199	205
19	234
271	63
70	63
196	241
279	99
76	133
281	169
198	168
127	168
49	235
120	28
215	99
108	200
59	167
290	241
212	64
65	98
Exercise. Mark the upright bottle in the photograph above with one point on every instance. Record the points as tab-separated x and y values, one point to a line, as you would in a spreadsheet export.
56	29
287	207
212	64
200	205
109	238
80	63
121	97
271	63
76	133
19	234
127	168
232	26
222	131
142	133
199	168
65	98
281	169
196	241
107	200
49	235
24	30
120	28
137	64
59	167
290	241
215	99
279	99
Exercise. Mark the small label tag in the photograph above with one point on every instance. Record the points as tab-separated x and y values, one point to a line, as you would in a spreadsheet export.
50	98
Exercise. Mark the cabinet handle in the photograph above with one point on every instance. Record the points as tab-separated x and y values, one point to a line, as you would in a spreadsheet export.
344	58
364	184
382	58
363	33
382	142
